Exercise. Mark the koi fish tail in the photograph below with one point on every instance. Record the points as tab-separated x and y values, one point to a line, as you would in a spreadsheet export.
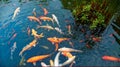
20	54
39	22
56	45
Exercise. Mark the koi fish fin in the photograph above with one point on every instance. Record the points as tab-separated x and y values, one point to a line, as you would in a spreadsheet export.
34	63
56	45
51	63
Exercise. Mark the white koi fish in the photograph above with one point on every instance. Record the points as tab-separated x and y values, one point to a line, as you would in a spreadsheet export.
44	65
16	12
59	30
65	49
70	60
55	19
56	60
13	49
46	26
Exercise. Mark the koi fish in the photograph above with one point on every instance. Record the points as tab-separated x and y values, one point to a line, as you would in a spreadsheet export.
70	60
34	18
22	61
71	65
55	19
13	49
46	27
71	43
69	29
34	13
44	65
34	59
34	33
67	54
56	41
96	39
14	35
30	45
51	63
28	31
59	30
56	60
45	47
65	49
17	10
44	18
111	58
45	11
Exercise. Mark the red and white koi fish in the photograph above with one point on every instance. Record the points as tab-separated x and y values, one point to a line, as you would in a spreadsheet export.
17	10
30	45
111	58
65	49
45	11
46	27
34	18
59	30
67	54
55	19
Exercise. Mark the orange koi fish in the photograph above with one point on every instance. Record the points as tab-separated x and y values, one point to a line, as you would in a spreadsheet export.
67	54
34	59
30	45
34	18
34	33
96	39
56	41
44	18
45	11
111	58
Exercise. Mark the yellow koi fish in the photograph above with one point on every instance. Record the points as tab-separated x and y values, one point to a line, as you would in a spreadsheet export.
34	33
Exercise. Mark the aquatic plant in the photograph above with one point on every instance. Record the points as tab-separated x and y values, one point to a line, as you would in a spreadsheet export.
92	15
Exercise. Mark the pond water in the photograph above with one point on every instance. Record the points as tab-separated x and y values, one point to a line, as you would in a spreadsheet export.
12	31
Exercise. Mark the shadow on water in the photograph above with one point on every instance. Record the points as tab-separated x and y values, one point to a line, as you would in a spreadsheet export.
18	29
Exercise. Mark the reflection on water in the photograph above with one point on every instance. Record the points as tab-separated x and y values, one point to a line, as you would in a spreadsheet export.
14	36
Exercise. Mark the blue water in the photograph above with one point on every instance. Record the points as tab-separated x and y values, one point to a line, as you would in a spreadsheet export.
8	27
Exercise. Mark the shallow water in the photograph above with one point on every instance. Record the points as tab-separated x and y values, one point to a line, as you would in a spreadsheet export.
18	26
